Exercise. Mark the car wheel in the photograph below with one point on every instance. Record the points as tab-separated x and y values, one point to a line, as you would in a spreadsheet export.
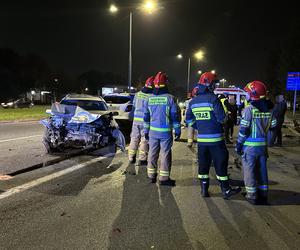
47	143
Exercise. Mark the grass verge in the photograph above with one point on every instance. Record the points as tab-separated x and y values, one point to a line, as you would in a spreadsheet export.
35	113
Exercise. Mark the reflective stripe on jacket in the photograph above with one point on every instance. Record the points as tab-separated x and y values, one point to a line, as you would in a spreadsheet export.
207	112
161	116
223	100
139	101
254	128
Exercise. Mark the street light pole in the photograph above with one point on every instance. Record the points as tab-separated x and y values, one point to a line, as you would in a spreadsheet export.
188	75
130	52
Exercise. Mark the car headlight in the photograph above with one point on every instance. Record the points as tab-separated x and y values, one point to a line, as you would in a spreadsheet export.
10	103
2	103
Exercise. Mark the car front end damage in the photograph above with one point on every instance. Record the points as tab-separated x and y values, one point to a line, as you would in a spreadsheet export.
71	127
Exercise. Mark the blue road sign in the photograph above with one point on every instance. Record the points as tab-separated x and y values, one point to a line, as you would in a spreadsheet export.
293	81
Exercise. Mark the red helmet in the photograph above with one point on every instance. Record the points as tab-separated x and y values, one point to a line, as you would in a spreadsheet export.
256	89
149	82
208	79
160	80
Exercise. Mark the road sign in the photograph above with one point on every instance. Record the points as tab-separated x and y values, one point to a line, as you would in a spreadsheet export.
293	81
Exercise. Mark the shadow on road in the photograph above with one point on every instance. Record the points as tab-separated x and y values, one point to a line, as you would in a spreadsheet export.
149	217
75	182
281	225
244	236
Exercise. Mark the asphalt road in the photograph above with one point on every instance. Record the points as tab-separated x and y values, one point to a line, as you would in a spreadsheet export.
21	146
109	204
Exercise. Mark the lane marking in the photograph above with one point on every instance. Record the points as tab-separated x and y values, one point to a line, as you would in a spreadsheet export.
47	178
20	138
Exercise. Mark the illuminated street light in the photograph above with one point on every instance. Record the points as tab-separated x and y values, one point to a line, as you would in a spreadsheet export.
179	56
149	6
86	89
213	71
113	8
199	55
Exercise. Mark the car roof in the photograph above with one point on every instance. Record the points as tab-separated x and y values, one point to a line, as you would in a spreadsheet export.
119	94
231	90
83	97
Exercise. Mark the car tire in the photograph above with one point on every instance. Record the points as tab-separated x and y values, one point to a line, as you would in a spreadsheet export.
48	145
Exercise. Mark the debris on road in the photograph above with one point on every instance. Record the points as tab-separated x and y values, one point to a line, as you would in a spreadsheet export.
116	230
5	177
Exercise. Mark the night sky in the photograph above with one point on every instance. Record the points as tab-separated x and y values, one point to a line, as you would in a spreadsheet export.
77	36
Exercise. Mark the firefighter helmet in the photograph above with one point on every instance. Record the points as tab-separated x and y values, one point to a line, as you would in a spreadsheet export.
257	90
160	80
149	82
208	79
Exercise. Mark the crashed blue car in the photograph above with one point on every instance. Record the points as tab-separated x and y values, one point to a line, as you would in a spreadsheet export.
71	127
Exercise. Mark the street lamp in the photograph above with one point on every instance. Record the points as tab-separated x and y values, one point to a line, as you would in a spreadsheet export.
148	7
113	8
199	72
223	81
179	56
213	71
199	56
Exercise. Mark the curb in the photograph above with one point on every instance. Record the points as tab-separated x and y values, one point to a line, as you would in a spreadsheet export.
18	121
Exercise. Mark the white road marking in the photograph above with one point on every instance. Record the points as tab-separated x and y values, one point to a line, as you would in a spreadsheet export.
21	138
44	179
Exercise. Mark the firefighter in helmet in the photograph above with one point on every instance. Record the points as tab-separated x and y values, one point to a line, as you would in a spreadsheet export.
160	119
252	142
138	143
207	112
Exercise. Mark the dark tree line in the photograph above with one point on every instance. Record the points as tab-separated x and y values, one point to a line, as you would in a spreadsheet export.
285	58
22	73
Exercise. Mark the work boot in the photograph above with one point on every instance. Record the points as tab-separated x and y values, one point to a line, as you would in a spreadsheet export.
142	163
132	160
262	198
230	192
252	201
168	182
227	190
204	187
153	179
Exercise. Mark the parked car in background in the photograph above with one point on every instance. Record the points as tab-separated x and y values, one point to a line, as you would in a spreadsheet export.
19	103
121	102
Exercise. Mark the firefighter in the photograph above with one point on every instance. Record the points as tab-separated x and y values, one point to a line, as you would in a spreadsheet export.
138	143
160	119
191	130
252	143
207	112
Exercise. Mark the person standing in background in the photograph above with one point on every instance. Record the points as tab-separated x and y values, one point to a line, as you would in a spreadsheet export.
278	113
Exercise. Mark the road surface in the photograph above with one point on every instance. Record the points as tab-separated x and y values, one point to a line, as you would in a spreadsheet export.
104	203
21	146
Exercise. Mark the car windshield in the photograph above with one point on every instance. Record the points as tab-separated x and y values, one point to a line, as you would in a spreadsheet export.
117	99
86	104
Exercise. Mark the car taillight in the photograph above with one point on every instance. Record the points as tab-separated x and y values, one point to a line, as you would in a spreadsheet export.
128	108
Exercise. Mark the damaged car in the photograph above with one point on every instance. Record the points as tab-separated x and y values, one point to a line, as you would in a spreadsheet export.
72	127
